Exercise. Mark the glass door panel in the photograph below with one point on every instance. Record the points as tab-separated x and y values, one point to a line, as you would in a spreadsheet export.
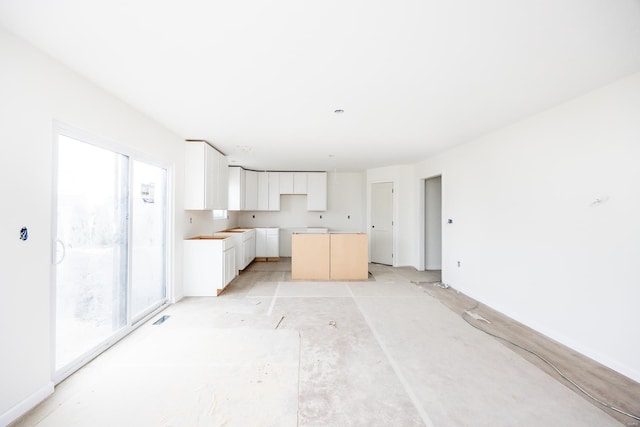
148	238
91	247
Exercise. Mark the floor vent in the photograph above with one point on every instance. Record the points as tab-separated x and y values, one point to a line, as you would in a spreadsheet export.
161	320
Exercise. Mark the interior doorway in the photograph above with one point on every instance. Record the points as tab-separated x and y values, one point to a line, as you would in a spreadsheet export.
433	223
382	223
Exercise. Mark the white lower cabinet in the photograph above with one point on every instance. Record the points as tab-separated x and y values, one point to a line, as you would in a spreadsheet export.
209	265
230	268
267	242
245	245
250	248
237	244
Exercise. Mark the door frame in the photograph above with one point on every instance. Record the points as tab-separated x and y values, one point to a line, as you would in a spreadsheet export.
60	128
422	214
394	204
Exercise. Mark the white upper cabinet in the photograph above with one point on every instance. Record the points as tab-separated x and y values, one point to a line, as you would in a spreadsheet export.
236	189
286	182
205	177
299	183
251	191
263	191
260	191
274	191
222	184
317	191
268	191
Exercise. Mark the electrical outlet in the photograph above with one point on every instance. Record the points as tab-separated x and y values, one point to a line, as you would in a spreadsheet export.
458	263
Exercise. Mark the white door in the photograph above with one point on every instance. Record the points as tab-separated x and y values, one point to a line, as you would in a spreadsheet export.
382	223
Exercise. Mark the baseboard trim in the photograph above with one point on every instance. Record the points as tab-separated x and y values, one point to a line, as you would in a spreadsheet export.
27	404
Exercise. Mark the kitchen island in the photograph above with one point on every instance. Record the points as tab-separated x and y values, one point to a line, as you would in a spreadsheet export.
329	256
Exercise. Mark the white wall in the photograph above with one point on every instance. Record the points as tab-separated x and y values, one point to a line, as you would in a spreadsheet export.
37	90
533	240
197	223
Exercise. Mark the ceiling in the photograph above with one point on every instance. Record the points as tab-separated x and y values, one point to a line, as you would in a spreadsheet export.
261	80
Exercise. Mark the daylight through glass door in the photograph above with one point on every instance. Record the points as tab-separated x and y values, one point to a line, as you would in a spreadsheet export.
110	248
148	238
91	264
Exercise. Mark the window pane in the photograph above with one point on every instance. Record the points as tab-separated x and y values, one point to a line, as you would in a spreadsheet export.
91	247
148	237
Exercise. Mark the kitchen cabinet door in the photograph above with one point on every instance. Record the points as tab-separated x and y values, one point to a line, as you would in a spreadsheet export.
230	270
261	242
263	191
273	243
286	182
251	191
317	191
299	183
211	177
274	191
236	189
200	168
250	249
206	179
267	242
222	183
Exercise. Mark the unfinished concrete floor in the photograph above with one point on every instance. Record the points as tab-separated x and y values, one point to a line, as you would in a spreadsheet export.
391	351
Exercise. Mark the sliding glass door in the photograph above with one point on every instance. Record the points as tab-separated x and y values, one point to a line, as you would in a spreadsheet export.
91	265
110	247
148	238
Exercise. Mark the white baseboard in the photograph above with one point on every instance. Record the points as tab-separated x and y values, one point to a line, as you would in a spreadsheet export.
28	403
